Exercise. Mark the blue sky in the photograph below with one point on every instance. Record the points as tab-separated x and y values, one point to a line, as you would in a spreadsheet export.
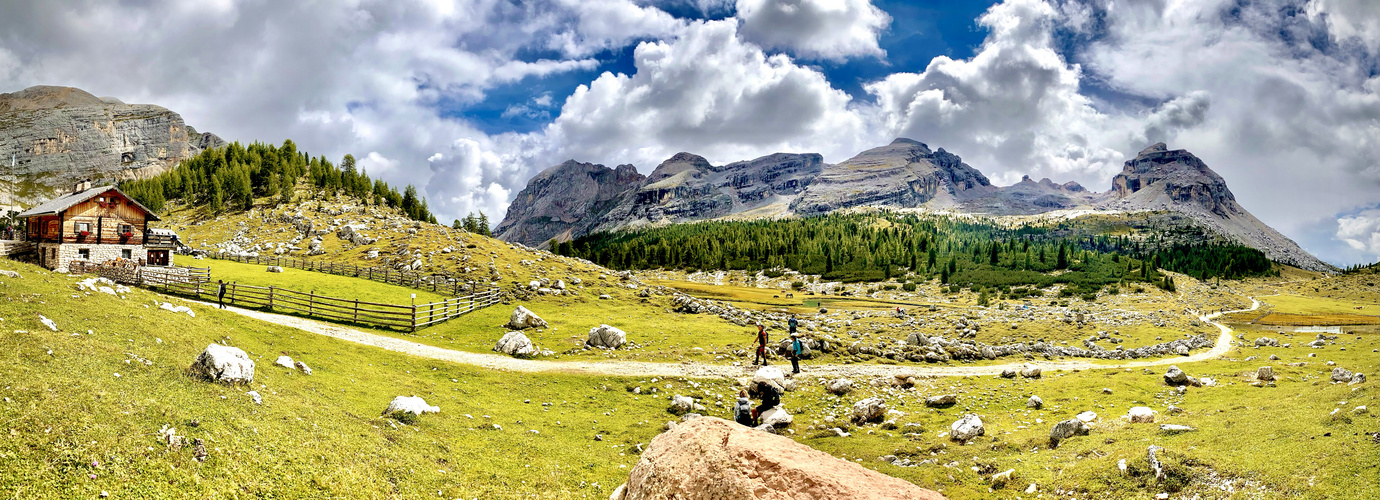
468	99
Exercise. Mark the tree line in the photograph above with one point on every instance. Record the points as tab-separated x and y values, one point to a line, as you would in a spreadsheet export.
883	246
230	178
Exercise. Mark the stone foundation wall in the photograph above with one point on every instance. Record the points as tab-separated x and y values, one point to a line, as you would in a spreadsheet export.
57	256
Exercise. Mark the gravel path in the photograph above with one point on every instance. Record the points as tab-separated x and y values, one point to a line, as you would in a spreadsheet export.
700	370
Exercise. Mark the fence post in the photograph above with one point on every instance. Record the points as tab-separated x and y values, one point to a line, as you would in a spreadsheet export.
311	302
356	310
270	297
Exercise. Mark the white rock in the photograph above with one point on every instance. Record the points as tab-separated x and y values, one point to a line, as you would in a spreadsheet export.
776	417
1001	478
285	362
839	386
1030	371
869	410
606	337
966	428
47	322
770	375
1035	402
303	366
1141	415
167	306
1265	374
516	344
258	400
221	363
522	319
275	269
1086	416
410	404
1174	428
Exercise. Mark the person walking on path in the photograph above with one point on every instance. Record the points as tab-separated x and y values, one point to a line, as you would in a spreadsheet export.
792	323
742	411
796	347
761	345
220	294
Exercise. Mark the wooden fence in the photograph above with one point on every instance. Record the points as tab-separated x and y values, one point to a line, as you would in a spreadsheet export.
410	317
436	282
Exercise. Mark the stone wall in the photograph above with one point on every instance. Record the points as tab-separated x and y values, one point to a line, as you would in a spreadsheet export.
57	256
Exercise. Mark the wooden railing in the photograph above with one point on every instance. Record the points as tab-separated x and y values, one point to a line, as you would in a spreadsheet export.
410	317
436	282
196	281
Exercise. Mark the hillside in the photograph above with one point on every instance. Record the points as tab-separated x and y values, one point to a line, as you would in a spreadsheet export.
904	175
59	135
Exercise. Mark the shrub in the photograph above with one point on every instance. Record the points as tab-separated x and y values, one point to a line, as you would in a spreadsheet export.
909	287
797	285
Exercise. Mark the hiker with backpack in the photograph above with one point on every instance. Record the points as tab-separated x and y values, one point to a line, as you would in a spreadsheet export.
743	412
792	323
796	349
771	398
761	345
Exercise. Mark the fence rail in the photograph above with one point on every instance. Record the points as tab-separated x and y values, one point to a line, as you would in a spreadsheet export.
436	282
196	281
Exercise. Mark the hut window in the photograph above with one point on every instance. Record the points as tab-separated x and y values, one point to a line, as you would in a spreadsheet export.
84	253
126	228
126	254
83	227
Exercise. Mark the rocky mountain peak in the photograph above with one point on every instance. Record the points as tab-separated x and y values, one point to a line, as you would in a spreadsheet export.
1175	176
559	201
1158	147
680	163
47	97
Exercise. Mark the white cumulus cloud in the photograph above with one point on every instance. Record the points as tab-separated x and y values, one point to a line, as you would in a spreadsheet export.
815	29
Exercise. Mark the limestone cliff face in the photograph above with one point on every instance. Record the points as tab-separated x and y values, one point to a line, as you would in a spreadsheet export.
904	173
1175	180
59	135
564	201
1029	197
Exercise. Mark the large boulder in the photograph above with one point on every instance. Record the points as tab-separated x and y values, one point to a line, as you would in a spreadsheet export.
1030	371
516	344
681	405
941	400
1035	402
1175	376
769	375
966	428
523	319
1265	374
219	363
606	337
711	458
1067	429
869	410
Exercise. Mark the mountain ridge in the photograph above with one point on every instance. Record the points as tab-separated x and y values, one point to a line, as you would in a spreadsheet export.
904	174
59	135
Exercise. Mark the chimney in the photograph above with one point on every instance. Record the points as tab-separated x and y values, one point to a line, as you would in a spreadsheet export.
81	186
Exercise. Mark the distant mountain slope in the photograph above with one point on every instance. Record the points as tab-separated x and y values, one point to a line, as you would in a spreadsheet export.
564	201
903	174
58	135
1161	179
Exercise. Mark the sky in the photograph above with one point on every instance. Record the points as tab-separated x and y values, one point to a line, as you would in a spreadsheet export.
468	100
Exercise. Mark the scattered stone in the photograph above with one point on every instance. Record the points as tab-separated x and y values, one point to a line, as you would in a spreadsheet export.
776	417
944	400
681	405
1340	374
1106	390
1181	350
869	410
406	408
9	274
1155	462
303	366
1086	416
966	428
285	362
1008	373
1266	342
522	319
1175	376
606	337
516	344
1141	415
711	458
1035	402
1265	373
1175	428
275	269
1030	371
768	375
1358	378
839	386
47	322
219	363
258	400
1067	429
1001	478
1274	357
1174	410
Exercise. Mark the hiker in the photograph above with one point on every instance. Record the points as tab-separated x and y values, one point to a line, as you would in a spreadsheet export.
796	347
742	411
792	323
761	345
771	398
220	294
